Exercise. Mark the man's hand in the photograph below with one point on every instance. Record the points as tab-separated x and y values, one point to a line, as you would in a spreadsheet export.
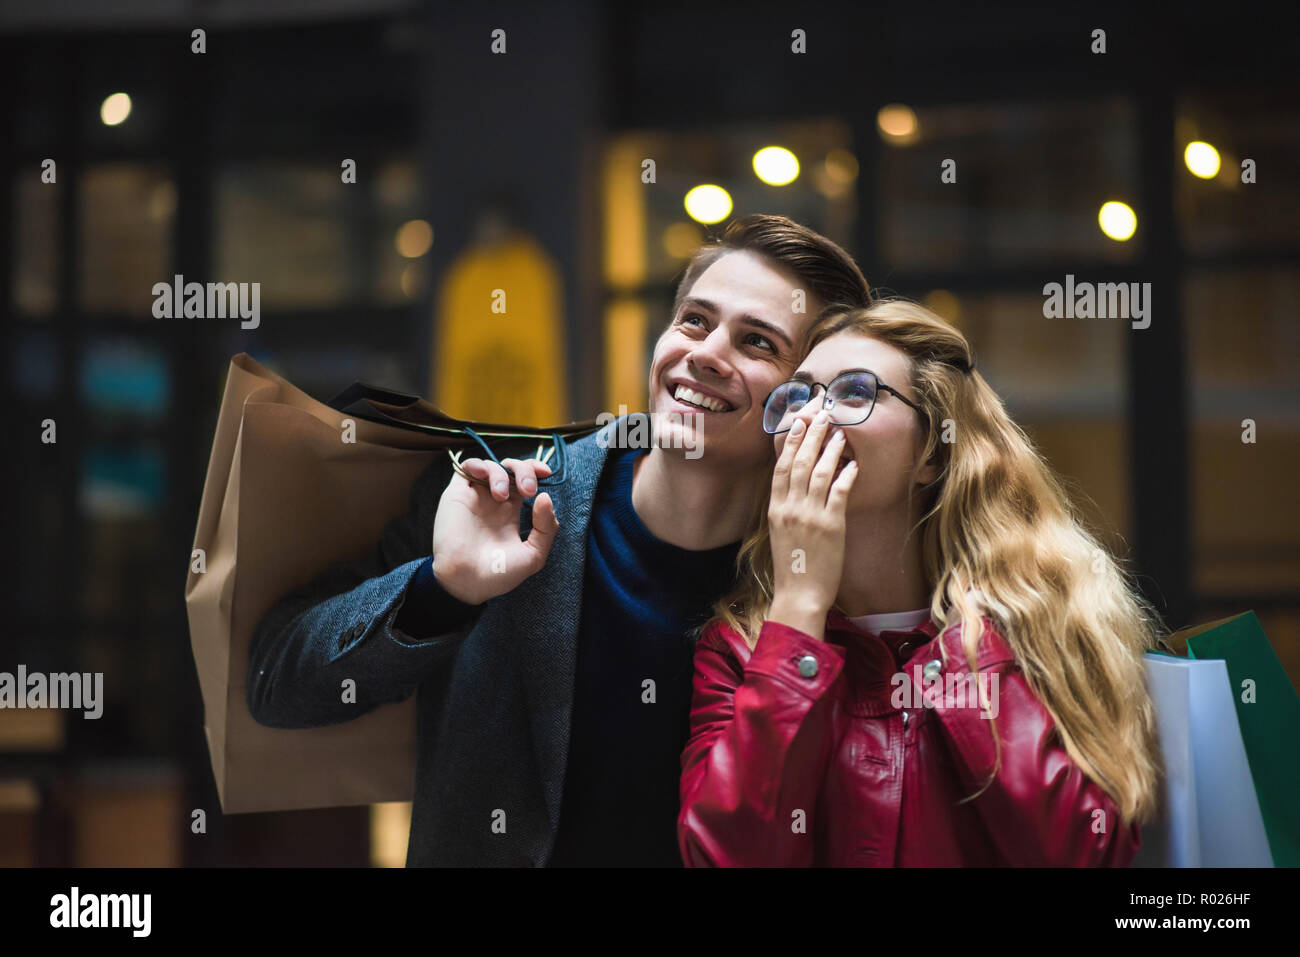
477	553
806	518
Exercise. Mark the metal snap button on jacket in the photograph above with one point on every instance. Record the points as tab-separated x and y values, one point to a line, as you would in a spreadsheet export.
808	666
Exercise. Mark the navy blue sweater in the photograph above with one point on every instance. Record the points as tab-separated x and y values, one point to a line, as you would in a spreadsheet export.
632	689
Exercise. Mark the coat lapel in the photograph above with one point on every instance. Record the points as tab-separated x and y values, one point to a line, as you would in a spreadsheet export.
550	602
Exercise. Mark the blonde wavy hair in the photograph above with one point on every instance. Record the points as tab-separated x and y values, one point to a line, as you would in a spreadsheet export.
1000	538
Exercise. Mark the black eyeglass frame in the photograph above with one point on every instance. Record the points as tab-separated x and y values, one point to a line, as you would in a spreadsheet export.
826	389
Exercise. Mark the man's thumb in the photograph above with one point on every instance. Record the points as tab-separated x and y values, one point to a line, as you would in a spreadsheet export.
545	524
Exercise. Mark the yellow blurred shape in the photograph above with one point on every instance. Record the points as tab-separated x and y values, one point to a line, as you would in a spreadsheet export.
776	165
625	213
390	828
708	203
1117	220
682	239
1202	159
627	365
898	124
115	109
506	366
945	304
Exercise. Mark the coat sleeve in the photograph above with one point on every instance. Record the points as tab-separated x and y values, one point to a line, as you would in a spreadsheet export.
758	748
1040	809
343	625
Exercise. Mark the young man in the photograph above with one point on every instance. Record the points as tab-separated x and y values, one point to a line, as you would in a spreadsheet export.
546	633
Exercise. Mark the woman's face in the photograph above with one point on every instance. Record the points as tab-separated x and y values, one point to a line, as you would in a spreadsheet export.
889	444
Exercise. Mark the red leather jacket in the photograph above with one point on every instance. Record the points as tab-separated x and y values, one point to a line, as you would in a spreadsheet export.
800	755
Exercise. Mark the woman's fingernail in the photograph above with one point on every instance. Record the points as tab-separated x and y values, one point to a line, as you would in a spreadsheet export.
797	428
500	486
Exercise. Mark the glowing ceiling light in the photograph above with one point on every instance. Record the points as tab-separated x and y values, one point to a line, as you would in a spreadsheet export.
1117	220
1202	159
708	203
115	109
776	165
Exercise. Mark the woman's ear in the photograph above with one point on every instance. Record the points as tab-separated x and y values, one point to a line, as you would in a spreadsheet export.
926	472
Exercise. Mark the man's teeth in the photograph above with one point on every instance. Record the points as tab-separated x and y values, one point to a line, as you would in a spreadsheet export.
683	394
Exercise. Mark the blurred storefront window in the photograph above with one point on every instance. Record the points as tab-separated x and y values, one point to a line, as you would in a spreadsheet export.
127	216
1244	350
36	249
1063	381
1028	181
284	225
1217	211
398	238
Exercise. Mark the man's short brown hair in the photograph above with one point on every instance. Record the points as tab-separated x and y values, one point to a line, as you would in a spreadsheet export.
826	269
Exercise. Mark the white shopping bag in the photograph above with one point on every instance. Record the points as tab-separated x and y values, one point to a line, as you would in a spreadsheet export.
1209	811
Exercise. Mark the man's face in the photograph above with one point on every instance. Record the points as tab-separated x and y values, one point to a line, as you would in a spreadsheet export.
731	342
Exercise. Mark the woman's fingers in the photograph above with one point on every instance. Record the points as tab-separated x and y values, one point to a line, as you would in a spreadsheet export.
806	457
839	494
781	474
820	481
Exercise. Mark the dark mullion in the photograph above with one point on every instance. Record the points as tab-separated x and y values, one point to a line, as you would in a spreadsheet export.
70	329
193	377
866	237
30	453
1157	382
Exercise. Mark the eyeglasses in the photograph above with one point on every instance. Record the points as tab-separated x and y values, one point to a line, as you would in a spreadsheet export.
850	398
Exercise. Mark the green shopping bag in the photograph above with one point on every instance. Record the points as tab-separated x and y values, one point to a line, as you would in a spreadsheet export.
1268	710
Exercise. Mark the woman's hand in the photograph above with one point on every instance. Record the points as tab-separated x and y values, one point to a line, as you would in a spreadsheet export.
806	517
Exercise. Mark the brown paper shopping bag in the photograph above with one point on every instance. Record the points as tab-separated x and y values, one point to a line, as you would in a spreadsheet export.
284	499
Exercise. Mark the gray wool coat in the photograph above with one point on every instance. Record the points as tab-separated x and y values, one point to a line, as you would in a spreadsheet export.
494	695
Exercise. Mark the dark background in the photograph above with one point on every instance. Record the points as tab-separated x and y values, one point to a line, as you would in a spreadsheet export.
227	169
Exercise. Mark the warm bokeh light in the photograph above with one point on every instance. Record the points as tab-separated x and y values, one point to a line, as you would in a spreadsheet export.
682	239
412	280
414	239
897	124
1202	159
162	201
708	203
834	176
841	166
1117	220
776	165
115	109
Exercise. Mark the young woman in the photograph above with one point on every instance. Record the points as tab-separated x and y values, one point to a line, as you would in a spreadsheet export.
928	660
